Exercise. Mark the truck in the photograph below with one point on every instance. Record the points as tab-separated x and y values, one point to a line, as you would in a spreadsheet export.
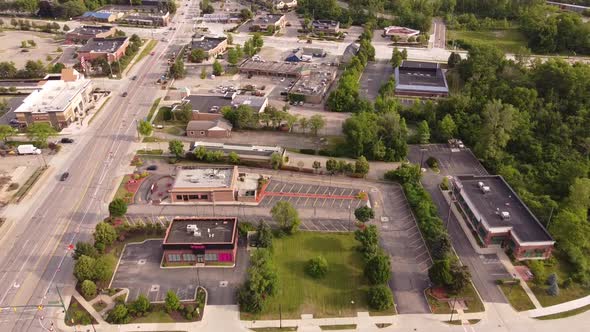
28	149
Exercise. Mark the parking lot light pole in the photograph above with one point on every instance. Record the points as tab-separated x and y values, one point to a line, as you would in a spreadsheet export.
422	150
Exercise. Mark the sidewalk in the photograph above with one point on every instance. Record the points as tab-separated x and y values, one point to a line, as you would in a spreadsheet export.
555	309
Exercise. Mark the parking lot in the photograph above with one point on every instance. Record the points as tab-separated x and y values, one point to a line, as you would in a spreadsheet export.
139	271
375	75
450	161
304	195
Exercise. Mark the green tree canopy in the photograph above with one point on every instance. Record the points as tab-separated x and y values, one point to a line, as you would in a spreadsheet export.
286	216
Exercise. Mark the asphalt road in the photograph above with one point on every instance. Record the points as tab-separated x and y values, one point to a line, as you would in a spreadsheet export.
35	258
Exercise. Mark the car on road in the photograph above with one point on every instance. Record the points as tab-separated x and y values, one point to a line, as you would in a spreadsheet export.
124	94
64	176
152	167
159	127
67	140
153	53
134	78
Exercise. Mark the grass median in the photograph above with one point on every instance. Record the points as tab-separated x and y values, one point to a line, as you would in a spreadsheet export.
517	297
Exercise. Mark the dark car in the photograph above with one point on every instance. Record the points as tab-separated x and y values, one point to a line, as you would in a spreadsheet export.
64	176
134	78
67	140
125	94
152	168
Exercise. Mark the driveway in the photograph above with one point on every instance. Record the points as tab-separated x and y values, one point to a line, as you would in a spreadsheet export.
485	270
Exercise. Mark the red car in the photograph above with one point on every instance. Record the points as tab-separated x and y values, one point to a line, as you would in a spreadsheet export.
153	53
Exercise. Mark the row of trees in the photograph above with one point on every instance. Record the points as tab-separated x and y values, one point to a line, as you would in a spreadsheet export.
360	167
48	27
446	270
32	69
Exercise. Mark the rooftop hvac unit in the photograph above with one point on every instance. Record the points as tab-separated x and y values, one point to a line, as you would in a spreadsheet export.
191	228
485	189
197	233
505	215
480	184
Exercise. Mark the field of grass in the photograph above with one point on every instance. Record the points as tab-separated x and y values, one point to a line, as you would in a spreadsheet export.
508	41
338	327
77	315
517	297
159	316
563	269
565	314
121	191
153	109
342	292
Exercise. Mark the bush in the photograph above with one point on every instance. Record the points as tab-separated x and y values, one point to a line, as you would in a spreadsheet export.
307	151
538	271
432	162
12	186
380	297
172	302
317	267
88	289
84	268
188	312
141	306
118	207
118	315
245	227
378	269
444	184
567	283
364	214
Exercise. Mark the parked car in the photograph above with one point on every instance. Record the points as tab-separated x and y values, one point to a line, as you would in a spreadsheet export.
153	53
67	140
64	176
152	167
125	94
159	127
134	78
284	93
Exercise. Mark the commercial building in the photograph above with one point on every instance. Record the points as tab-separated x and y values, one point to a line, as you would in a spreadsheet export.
401	33
101	16
420	80
111	49
208	128
208	107
212	46
284	4
221	18
145	18
325	26
498	216
86	32
57	102
244	151
306	54
273	68
263	22
200	241
314	85
569	7
213	185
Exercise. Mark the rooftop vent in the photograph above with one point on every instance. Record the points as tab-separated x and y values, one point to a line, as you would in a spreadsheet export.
485	189
197	233
191	228
505	215
480	184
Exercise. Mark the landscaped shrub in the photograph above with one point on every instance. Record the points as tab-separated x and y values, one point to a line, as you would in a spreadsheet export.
88	289
317	267
118	315
307	151
380	297
378	269
432	162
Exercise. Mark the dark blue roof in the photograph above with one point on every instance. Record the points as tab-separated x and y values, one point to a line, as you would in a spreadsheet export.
97	15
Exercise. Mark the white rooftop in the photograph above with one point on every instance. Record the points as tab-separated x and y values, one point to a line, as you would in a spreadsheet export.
239	147
204	178
53	96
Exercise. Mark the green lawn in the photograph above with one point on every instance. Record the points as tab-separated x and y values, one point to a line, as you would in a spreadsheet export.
77	315
338	327
563	269
121	191
331	296
159	316
153	108
509	40
566	313
517	297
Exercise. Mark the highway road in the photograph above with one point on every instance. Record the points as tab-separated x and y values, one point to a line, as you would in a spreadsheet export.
34	257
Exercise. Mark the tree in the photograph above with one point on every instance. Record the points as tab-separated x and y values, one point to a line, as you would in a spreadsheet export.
145	128
6	131
316	123
440	273
230	38
217	68
232	57
264	235
118	315
177	70
380	297
33	69
88	289
84	268
276	160
423	132
447	127
396	58
378	269
332	166
361	166
303	124
117	207
317	267
257	41
105	233
233	158
66	28
241	117
364	214
245	14
454	60
286	216
39	133
498	122
317	165
172	302
198	55
369	240
203	73
7	70
141	305
84	249
176	148
461	277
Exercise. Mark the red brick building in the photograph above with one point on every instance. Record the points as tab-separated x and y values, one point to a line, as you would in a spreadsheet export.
201	241
111	49
84	33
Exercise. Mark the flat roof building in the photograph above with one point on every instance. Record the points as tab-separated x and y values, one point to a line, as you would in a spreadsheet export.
499	217
100	16
111	49
244	151
86	32
212	46
420	80
213	184
274	68
146	18
58	102
221	18
200	241
325	26
313	86
208	107
263	22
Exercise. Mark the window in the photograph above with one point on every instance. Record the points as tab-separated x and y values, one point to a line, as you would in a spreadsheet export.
174	257
193	196
179	197
202	133
210	257
204	196
188	257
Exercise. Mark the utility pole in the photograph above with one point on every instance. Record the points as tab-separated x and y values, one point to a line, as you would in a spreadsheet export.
62	303
280	317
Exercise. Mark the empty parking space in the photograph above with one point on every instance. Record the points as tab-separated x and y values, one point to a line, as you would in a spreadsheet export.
311	196
139	271
450	161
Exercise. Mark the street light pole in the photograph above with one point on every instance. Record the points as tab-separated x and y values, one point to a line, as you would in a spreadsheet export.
453	308
349	218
